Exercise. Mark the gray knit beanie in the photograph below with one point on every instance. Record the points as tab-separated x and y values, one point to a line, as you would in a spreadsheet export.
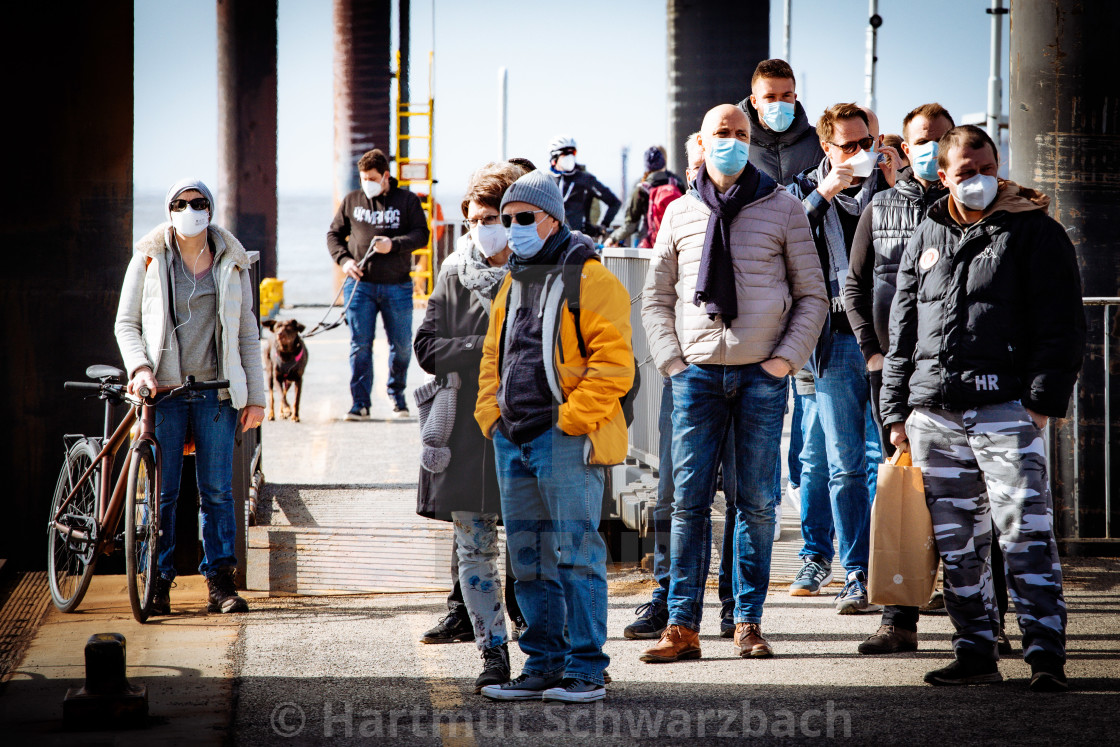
182	186
537	188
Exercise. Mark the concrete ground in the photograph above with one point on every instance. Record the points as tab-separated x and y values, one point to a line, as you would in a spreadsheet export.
350	669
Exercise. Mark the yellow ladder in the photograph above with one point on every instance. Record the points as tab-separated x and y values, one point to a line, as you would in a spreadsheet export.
413	171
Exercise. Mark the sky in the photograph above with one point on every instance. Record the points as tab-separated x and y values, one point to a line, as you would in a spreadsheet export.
588	68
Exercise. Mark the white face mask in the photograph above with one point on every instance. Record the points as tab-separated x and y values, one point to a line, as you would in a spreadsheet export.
977	192
371	188
862	163
190	222
566	163
489	239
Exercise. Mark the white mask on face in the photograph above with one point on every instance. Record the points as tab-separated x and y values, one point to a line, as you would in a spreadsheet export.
190	222
371	188
862	163
489	239
977	192
566	163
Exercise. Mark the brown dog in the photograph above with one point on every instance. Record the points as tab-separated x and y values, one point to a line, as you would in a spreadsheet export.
285	359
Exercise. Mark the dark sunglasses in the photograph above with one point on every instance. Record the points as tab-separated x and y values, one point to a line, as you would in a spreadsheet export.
524	218
566	152
198	203
850	148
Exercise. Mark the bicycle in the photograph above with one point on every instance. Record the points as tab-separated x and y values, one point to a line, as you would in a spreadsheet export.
85	518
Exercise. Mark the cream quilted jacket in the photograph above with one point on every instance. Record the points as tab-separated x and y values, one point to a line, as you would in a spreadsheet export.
781	291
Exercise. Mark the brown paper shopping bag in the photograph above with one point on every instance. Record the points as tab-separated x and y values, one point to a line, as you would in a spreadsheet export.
903	554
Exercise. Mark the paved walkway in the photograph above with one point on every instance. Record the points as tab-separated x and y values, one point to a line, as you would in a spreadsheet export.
345	669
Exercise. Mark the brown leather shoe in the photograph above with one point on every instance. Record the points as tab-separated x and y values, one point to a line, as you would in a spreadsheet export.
749	641
677	643
890	640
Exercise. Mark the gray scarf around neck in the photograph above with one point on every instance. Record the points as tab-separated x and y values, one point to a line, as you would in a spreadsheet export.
834	232
475	273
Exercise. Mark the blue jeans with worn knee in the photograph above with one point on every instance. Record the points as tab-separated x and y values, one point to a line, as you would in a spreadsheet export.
708	400
213	423
551	504
663	509
841	414
394	302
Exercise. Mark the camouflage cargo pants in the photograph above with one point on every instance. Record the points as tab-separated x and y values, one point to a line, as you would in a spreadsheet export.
997	448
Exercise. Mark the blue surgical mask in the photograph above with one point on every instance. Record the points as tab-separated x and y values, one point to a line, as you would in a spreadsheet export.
924	160
727	154
524	241
778	115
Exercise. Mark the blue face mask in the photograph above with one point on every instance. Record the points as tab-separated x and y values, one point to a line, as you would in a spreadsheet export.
727	154
524	241
924	160
778	115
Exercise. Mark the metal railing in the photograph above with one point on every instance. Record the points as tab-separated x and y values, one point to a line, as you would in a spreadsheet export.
1108	303
629	266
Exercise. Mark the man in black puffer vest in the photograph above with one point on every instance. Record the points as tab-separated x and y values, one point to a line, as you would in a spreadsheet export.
987	336
881	236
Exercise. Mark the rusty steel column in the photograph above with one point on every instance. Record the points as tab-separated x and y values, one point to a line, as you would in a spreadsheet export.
713	48
246	189
1065	141
404	95
362	76
67	237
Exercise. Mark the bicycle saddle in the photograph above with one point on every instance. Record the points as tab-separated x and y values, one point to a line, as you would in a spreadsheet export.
102	372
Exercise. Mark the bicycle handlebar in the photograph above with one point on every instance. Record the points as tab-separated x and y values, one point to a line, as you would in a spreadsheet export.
144	392
82	385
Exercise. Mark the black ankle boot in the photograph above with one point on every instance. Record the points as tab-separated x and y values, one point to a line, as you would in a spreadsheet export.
161	596
223	593
495	667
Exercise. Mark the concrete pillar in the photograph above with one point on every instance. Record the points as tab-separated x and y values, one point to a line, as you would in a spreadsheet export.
362	76
713	48
246	190
1065	141
67	237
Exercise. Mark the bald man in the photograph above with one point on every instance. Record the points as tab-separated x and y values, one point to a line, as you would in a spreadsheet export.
739	250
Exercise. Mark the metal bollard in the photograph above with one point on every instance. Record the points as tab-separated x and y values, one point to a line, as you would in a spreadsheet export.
106	699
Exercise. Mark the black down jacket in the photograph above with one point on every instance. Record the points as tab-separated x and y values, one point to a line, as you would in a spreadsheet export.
884	230
450	339
986	313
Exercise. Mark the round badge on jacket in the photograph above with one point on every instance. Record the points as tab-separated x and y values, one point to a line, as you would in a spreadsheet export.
929	258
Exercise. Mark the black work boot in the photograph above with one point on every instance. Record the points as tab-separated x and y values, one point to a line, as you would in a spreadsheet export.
223	593
1048	674
161	596
966	670
454	628
495	667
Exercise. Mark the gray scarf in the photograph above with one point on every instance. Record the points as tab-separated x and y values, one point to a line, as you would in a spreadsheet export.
834	232
475	273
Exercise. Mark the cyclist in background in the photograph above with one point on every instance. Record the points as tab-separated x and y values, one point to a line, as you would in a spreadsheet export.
578	188
186	309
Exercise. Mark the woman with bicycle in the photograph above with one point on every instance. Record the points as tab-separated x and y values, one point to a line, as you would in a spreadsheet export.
186	310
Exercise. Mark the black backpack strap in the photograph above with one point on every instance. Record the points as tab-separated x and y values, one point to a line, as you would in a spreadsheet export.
572	275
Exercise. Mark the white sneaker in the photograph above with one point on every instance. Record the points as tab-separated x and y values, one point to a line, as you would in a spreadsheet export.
793	493
777	522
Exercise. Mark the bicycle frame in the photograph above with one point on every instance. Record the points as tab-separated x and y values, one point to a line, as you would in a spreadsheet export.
109	507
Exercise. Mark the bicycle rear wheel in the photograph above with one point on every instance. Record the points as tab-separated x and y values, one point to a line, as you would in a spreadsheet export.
70	560
141	531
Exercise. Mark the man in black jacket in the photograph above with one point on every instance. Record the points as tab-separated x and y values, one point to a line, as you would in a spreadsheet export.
987	336
372	237
579	188
881	236
783	140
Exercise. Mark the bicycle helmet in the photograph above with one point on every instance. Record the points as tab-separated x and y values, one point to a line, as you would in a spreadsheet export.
560	143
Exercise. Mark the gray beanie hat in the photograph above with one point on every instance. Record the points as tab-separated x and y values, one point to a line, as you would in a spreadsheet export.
537	188
182	186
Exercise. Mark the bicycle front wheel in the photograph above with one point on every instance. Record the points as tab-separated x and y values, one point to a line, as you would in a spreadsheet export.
141	531
72	534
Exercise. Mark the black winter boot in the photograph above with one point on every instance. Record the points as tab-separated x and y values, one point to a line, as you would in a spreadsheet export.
161	596
495	667
223	593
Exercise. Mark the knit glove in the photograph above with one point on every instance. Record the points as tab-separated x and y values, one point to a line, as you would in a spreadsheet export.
436	402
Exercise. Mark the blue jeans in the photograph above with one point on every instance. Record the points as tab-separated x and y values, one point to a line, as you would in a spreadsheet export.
841	411
793	460
817	529
710	399
874	452
394	303
551	504
663	509
213	423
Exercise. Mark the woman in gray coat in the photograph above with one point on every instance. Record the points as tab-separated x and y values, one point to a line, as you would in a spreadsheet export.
450	341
